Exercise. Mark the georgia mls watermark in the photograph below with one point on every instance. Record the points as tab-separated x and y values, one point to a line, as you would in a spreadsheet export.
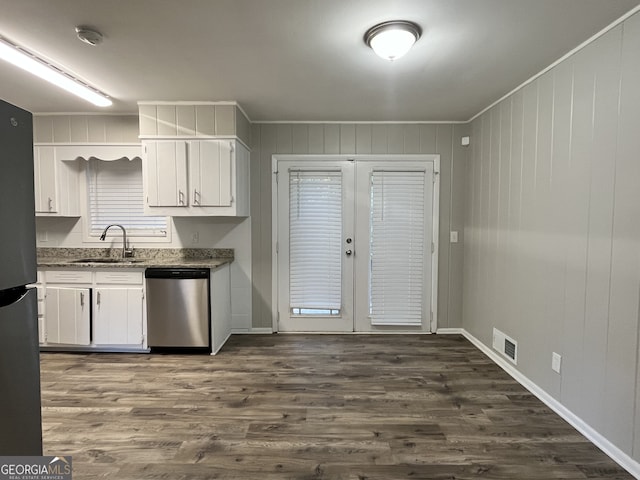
35	468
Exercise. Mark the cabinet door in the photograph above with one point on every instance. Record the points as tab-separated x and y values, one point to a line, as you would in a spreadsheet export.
117	316
166	173
210	172
45	179
67	315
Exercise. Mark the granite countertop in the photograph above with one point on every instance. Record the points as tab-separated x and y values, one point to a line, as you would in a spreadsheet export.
142	258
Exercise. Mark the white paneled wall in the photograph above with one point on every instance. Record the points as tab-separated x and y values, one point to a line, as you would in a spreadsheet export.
85	129
361	138
552	231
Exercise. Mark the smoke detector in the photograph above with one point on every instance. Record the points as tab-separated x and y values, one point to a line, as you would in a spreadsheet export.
88	35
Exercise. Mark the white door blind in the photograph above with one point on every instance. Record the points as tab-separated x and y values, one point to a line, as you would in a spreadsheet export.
315	242
116	196
397	247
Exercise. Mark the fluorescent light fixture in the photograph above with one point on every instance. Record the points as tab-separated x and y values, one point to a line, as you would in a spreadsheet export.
392	40
22	59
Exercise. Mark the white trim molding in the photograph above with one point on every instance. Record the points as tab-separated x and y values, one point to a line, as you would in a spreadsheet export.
260	331
360	122
450	331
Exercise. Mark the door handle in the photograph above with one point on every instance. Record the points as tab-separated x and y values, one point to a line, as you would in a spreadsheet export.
348	253
82	299
98	299
50	204
180	197
196	196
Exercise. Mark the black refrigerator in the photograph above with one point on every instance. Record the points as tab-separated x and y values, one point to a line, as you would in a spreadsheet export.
20	415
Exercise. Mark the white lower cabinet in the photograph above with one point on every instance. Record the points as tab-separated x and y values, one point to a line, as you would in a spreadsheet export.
93	308
117	316
68	316
118	308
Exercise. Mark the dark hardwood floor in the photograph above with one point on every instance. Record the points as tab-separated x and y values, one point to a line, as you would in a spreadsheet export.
308	407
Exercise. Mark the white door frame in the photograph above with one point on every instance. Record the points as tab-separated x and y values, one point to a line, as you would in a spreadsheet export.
435	159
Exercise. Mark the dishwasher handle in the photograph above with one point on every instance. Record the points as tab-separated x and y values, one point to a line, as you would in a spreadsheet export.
177	273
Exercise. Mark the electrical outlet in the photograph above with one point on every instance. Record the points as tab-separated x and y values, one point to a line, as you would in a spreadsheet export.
556	361
195	237
43	236
454	237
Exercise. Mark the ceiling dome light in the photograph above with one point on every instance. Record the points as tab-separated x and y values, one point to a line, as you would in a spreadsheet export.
391	40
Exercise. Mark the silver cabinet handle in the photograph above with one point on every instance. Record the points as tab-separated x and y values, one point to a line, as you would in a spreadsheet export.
98	299
180	197
50	204
196	197
82	299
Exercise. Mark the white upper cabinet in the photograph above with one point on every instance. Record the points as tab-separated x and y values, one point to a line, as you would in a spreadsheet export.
196	162
217	183
56	183
210	172
44	169
166	173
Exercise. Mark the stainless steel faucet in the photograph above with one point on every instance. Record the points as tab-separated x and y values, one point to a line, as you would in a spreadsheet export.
126	252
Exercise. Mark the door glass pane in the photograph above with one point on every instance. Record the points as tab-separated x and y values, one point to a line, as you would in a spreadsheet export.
397	248
315	236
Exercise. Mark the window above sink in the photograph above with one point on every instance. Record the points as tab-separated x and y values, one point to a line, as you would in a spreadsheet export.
115	195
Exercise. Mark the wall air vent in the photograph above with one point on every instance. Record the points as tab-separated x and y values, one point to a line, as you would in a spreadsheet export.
507	346
510	349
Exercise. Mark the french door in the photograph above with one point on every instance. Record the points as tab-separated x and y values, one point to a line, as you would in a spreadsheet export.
354	245
315	209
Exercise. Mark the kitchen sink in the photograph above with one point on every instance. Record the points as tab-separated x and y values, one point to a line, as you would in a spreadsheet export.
106	260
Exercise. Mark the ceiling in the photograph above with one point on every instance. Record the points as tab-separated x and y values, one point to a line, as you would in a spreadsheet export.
296	60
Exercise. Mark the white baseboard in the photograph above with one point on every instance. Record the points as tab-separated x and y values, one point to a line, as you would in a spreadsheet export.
251	331
450	331
617	455
261	331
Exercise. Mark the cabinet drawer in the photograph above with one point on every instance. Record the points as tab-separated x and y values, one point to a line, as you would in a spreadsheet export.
119	277
68	276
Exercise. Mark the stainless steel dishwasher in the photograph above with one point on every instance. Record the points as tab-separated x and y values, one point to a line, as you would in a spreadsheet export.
178	308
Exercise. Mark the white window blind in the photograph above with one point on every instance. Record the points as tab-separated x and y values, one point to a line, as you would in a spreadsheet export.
397	247
116	196
315	245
